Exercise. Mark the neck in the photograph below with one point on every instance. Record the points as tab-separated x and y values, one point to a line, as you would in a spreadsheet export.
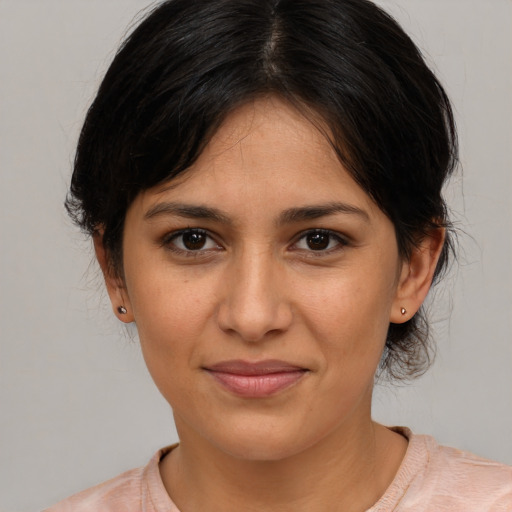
349	469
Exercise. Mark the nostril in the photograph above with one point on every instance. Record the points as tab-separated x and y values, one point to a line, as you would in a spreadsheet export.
254	322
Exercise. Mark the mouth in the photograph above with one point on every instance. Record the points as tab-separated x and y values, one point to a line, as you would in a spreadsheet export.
256	380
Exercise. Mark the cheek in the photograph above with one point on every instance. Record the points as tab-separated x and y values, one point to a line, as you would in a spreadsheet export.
166	299
168	334
350	328
171	313
350	317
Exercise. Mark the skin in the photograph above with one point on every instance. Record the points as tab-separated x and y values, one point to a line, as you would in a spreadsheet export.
257	290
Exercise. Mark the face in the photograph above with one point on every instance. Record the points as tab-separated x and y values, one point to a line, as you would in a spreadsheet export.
262	283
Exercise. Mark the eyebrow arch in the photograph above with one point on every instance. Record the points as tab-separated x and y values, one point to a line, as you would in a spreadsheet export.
322	210
289	216
187	211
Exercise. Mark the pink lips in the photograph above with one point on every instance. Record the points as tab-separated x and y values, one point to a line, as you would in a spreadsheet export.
255	380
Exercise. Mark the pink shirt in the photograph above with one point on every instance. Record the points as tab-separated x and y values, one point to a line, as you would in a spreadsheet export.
431	478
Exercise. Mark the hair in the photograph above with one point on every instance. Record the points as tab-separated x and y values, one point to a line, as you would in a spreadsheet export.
187	65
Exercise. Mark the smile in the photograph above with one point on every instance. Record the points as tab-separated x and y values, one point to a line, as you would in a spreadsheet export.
256	380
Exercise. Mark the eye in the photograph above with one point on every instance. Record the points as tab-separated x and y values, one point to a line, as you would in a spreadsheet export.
191	240
319	240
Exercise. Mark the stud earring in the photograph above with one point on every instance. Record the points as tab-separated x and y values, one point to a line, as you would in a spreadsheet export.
122	310
403	311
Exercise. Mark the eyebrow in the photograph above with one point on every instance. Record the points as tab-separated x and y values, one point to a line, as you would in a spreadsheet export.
305	213
187	211
289	216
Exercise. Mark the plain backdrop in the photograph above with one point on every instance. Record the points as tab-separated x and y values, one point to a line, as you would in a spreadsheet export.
76	403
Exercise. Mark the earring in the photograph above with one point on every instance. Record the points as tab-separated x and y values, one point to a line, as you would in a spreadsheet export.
122	310
403	311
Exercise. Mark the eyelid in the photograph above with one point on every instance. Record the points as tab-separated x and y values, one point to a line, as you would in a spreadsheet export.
167	241
342	240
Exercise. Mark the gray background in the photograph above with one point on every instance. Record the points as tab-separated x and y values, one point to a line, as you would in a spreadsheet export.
76	403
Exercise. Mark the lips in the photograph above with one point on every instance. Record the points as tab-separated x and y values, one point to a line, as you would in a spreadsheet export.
255	380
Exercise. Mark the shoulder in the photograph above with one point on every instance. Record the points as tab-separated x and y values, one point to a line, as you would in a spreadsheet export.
120	493
452	479
469	466
470	478
136	490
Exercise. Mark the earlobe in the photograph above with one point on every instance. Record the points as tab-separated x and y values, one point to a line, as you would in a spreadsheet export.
114	283
416	276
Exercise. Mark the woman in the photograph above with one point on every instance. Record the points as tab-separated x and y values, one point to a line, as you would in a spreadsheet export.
262	182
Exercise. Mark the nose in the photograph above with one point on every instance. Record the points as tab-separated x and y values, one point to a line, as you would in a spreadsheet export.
254	304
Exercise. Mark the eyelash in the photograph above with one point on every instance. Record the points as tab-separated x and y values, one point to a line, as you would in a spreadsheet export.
168	242
341	242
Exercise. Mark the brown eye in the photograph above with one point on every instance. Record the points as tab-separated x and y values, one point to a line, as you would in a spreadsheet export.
194	240
318	241
191	240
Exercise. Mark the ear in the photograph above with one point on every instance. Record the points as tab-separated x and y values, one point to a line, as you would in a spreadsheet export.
115	285
416	276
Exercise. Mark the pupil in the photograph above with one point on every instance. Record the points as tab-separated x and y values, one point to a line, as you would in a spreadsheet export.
318	241
194	241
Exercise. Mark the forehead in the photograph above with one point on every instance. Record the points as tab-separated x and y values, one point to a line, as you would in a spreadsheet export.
266	154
